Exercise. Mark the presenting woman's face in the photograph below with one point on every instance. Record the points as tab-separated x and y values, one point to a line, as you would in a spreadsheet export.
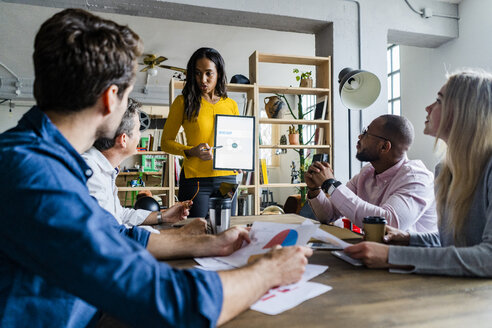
206	75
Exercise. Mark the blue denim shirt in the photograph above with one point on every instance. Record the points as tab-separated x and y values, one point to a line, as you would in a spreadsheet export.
63	258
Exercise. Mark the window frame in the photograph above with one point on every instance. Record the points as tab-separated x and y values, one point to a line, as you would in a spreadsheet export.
390	79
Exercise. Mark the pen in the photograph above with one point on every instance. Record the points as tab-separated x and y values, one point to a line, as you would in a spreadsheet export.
212	148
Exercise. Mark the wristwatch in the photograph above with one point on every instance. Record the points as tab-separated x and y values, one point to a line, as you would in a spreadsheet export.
330	185
159	217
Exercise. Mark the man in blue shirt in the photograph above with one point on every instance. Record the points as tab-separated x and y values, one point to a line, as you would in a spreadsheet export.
63	259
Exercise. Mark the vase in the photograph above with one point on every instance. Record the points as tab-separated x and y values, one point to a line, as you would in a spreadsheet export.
306	83
294	139
274	107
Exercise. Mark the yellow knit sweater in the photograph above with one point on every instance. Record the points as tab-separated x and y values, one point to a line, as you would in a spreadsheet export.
201	130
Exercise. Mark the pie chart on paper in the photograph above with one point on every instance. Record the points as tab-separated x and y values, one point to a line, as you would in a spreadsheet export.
284	238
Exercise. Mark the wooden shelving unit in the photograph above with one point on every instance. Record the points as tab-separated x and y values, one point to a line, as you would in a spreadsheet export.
253	90
323	88
168	190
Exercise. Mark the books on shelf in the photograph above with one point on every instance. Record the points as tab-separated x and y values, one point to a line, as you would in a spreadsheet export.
177	170
245	204
181	137
320	111
248	177
164	175
264	173
319	136
248	111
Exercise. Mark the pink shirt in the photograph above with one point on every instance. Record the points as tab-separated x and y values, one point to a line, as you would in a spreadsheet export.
403	194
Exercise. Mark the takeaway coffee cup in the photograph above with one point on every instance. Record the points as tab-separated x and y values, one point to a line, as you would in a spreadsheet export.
219	212
374	228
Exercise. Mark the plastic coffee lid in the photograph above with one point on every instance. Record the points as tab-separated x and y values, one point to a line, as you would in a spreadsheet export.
223	202
374	219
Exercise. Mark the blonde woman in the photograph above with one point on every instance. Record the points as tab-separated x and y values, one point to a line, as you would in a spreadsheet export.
461	117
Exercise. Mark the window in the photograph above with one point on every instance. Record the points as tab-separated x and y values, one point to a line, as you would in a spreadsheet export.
309	103
393	57
268	133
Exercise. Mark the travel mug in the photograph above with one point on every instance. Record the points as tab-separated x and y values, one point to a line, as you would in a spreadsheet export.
374	228
219	212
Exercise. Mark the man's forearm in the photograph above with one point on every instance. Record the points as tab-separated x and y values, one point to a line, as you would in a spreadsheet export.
313	193
151	219
242	287
322	208
169	246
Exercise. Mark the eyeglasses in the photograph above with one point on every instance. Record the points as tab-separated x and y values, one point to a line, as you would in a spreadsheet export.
364	132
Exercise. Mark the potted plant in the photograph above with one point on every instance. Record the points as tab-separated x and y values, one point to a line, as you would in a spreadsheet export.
306	81
293	135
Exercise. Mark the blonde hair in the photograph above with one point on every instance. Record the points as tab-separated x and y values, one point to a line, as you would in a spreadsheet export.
466	119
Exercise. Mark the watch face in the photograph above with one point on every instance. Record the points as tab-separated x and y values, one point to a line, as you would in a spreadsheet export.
331	189
327	184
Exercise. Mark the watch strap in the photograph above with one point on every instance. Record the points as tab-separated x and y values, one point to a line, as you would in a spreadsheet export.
327	183
159	217
330	185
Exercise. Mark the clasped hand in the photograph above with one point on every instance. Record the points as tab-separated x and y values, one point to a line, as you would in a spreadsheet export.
318	173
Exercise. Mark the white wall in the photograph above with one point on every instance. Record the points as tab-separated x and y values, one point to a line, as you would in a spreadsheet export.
334	22
423	70
176	40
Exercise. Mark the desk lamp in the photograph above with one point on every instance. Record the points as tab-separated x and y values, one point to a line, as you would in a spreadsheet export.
358	89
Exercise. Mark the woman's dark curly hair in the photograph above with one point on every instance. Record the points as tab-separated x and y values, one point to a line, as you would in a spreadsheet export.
191	91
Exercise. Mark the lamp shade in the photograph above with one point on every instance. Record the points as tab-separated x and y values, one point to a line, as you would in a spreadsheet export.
358	89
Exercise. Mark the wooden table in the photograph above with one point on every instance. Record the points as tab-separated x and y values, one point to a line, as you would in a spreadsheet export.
363	297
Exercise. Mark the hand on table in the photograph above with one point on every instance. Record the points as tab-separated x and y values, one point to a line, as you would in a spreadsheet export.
288	263
374	255
231	240
396	237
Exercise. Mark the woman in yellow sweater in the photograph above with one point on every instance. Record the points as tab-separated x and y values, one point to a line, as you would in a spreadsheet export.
204	96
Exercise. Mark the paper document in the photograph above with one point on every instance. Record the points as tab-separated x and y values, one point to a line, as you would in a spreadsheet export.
280	299
212	264
283	298
265	235
327	237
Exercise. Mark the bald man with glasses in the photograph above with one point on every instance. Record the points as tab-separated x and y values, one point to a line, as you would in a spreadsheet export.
391	185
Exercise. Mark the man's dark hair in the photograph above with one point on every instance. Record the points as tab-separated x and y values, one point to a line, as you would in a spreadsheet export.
191	91
399	130
77	56
126	126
